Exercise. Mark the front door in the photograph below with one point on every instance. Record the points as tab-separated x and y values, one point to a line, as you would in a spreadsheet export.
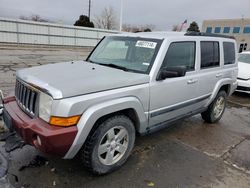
174	97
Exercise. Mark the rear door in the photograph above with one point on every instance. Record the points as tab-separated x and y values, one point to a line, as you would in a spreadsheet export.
210	67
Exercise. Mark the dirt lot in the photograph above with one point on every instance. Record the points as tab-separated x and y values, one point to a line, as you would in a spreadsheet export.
191	153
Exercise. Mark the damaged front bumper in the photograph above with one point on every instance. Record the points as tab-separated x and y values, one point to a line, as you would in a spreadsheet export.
34	131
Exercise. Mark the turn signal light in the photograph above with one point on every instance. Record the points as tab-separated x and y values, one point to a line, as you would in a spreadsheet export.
64	121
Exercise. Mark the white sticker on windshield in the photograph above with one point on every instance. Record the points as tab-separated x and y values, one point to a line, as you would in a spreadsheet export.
146	44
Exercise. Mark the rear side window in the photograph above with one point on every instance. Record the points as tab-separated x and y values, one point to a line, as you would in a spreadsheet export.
180	54
229	53
210	54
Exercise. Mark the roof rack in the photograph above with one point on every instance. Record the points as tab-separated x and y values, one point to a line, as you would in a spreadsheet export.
193	33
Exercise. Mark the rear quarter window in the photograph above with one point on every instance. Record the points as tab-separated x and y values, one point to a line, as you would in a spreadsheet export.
229	53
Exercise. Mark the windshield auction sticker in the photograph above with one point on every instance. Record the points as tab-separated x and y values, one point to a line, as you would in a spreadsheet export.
146	44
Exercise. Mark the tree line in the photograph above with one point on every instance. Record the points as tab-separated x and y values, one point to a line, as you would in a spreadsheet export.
108	20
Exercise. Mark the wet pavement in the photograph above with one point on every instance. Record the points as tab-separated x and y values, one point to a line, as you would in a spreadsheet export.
191	153
241	99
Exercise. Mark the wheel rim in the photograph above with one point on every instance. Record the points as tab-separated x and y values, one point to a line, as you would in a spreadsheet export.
113	145
219	107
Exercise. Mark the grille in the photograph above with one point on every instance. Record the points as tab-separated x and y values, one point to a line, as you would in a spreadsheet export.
26	98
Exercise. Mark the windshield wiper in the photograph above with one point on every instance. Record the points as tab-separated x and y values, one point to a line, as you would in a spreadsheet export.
114	66
90	61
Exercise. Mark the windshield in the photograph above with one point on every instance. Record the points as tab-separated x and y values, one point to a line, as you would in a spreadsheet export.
245	58
126	53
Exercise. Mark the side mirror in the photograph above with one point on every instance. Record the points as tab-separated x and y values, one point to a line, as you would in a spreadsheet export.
172	72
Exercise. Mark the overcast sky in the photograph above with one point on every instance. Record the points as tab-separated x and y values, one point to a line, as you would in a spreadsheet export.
161	13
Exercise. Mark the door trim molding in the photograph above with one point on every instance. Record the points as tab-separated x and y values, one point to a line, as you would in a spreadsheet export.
169	123
178	106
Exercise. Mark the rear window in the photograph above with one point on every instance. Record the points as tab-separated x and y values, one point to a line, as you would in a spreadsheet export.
229	53
210	54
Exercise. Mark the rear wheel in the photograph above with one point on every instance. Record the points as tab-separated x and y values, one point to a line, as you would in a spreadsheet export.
109	146
216	109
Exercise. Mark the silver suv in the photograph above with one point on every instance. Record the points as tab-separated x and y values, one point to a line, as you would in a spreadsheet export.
130	83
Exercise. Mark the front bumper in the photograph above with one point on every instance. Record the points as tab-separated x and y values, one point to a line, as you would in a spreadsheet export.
34	131
243	86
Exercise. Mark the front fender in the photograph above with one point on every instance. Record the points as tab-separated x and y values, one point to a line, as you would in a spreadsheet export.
92	114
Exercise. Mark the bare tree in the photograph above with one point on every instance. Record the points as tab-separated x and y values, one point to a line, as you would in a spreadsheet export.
107	19
34	17
141	28
130	28
148	26
176	28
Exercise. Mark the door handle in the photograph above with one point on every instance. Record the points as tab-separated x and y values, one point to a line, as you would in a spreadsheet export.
192	81
218	75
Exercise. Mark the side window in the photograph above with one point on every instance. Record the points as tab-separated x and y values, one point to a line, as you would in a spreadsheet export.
180	54
229	53
210	54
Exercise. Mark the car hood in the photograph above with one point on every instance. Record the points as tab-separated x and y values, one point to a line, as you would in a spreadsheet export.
244	71
62	80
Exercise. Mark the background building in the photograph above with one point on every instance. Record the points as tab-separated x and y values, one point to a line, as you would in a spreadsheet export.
239	28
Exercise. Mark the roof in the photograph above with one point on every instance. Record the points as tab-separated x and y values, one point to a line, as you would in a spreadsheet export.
164	35
227	20
155	34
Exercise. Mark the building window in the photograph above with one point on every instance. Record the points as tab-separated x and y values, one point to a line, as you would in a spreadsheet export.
210	54
229	53
209	30
226	30
246	30
217	29
236	30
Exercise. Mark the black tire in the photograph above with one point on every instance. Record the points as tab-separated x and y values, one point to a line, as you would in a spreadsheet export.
209	116
89	153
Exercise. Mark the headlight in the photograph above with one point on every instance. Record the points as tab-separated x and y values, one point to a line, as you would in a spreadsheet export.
45	104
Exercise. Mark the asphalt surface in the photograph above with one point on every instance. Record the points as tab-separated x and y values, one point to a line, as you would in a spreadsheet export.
14	58
191	153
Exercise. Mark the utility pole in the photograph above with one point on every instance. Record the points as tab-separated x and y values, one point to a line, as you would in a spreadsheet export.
121	14
89	8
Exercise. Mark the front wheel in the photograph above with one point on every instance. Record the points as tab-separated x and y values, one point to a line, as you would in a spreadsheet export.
109	146
216	109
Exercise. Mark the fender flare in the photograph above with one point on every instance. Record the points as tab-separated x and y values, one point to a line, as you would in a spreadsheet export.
92	114
219	84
